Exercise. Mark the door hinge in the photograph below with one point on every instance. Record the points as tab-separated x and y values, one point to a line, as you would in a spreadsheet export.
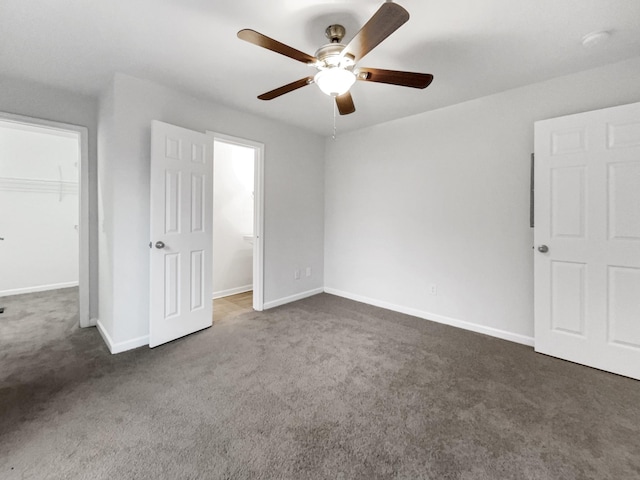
532	196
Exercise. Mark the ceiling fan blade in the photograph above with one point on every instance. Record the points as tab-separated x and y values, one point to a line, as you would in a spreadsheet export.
290	87
345	104
395	77
388	18
261	40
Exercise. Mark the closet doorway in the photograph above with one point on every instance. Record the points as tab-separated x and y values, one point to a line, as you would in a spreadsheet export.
237	224
43	212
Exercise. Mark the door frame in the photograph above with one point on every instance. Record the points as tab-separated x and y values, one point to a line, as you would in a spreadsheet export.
258	211
83	205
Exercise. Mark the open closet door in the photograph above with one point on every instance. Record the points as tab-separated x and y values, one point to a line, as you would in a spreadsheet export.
181	238
587	239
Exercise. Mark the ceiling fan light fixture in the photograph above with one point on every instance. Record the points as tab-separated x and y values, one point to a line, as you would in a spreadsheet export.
335	81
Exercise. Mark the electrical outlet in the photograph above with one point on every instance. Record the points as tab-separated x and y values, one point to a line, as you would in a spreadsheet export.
296	274
433	289
308	272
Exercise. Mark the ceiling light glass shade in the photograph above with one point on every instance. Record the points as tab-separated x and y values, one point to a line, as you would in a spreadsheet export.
335	81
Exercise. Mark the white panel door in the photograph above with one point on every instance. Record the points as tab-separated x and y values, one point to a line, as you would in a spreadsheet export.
587	218
181	238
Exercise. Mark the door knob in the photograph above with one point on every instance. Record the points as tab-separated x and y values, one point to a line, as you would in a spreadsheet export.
159	244
543	249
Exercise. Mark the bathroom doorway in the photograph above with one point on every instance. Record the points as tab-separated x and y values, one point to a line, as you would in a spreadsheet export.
237	224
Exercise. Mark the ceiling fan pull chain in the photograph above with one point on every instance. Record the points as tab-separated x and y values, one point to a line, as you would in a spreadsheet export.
334	120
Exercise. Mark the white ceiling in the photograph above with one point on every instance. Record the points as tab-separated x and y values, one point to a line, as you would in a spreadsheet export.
472	47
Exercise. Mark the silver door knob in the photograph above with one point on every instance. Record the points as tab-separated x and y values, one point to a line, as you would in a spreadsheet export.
543	249
159	244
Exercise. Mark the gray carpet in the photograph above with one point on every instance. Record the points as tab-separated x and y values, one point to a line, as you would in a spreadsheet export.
324	388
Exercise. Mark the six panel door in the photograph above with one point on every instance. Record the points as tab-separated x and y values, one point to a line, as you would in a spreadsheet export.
181	232
587	214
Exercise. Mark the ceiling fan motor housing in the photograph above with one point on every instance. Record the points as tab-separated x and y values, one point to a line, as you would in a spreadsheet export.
329	56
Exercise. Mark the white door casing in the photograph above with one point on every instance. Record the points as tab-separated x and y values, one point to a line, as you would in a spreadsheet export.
587	212
181	200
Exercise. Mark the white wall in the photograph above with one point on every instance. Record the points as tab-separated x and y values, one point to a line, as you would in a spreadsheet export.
443	198
23	97
38	208
232	218
294	189
107	150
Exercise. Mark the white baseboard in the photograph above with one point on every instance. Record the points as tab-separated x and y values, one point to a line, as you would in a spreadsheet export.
40	288
121	346
293	298
105	336
232	291
474	327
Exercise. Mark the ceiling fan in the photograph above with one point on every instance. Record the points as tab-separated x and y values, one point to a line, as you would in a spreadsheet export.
336	63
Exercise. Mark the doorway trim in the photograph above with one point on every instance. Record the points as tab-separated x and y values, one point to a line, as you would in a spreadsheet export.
83	204
258	211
